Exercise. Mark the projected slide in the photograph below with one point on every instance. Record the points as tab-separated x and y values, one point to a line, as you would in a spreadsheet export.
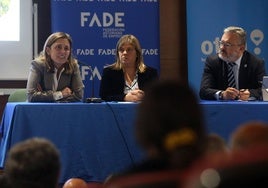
16	39
9	20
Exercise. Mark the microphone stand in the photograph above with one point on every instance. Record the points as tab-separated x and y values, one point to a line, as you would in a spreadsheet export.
91	99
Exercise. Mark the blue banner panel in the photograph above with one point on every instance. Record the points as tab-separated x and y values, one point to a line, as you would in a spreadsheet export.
96	26
206	20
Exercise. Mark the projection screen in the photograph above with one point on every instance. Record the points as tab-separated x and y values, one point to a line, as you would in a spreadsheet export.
16	39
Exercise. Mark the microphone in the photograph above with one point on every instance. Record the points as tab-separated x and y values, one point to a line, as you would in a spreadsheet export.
91	99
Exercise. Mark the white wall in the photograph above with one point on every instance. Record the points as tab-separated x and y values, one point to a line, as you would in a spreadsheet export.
15	56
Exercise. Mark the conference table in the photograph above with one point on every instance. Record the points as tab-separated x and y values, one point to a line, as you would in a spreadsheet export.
94	139
97	139
223	117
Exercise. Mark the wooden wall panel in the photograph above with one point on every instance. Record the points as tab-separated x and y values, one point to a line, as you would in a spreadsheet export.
173	40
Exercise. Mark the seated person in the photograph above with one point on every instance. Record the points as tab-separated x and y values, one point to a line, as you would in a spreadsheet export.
54	74
170	128
243	82
126	79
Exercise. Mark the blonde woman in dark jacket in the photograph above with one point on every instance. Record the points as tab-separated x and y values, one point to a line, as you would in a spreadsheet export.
126	79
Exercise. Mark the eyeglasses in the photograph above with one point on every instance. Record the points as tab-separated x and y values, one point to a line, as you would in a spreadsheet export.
227	44
128	50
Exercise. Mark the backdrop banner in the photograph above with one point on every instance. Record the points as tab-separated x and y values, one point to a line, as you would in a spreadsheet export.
95	27
206	20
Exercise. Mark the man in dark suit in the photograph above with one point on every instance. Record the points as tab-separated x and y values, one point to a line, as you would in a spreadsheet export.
248	70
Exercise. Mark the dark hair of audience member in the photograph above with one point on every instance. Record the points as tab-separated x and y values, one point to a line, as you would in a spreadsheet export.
249	134
170	123
215	144
33	163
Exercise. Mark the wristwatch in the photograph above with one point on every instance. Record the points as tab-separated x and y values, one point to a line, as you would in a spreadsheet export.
221	95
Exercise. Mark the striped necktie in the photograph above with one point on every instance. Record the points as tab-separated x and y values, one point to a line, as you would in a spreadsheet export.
231	78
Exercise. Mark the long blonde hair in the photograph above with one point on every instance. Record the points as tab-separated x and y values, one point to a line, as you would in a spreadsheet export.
131	39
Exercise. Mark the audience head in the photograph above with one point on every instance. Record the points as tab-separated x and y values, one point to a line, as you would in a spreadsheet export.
249	134
246	165
75	183
170	122
215	144
33	163
135	45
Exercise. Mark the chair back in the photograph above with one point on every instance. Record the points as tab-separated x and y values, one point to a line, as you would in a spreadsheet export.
18	95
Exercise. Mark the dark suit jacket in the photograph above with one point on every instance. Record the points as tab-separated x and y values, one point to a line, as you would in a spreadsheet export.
113	82
214	78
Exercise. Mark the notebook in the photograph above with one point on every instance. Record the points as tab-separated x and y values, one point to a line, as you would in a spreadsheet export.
265	88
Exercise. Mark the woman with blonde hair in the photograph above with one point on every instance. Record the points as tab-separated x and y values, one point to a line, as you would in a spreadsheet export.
126	79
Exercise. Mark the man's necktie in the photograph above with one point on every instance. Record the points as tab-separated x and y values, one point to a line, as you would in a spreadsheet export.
231	78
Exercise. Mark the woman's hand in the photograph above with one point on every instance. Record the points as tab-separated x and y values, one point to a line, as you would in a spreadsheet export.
66	92
134	96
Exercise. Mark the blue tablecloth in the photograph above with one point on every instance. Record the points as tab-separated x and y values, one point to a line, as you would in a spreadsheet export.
224	117
96	140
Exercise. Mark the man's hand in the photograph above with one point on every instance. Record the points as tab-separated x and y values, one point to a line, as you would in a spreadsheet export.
230	94
244	94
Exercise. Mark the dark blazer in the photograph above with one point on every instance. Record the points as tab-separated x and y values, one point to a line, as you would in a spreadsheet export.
214	77
113	82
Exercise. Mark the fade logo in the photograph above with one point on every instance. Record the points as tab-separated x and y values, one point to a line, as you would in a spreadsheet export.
104	19
86	71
